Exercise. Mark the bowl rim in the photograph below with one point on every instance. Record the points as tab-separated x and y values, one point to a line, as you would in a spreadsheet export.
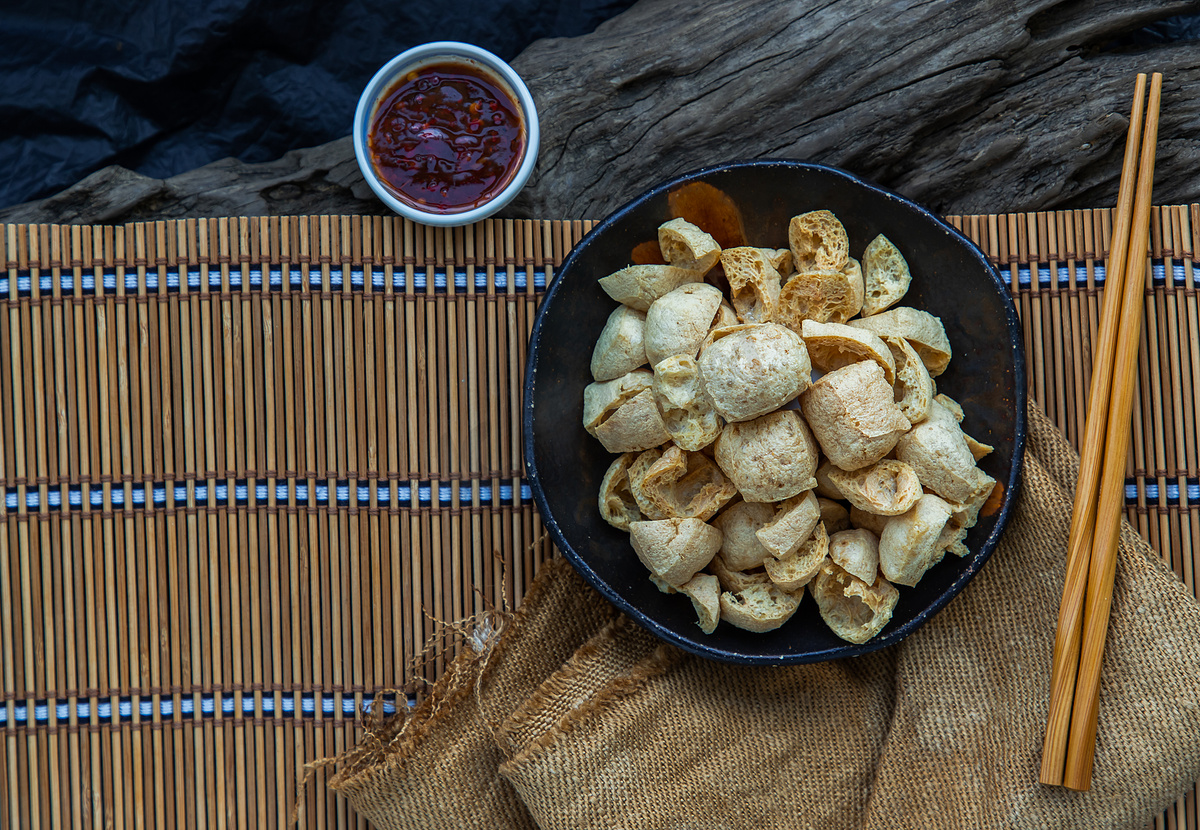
889	636
424	53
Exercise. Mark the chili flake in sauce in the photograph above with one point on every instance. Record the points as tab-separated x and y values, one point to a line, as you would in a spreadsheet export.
446	138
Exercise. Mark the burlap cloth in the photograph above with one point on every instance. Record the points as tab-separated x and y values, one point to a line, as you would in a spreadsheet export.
574	717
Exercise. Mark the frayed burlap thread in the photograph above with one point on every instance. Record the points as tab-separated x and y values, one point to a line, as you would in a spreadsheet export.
941	730
436	768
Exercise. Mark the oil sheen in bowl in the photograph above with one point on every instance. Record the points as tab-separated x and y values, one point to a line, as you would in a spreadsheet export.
447	137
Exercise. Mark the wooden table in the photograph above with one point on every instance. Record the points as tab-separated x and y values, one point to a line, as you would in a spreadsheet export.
971	107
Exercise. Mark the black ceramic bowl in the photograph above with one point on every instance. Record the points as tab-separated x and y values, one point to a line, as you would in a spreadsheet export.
951	279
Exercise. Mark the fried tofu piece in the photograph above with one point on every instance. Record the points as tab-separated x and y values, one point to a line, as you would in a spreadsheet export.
868	521
759	608
885	276
908	546
751	370
675	550
704	590
686	246
637	286
621	347
833	345
887	487
686	485
979	450
914	387
791	523
818	242
618	507
856	552
769	459
638	468
853	610
687	411
739	525
622	413
834	515
725	318
753	283
678	322
734	580
825	485
797	569
938	451
781	261
920	328
824	296
952	406
853	415
953	539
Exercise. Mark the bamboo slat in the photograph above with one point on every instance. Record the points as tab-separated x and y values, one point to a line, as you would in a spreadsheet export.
250	466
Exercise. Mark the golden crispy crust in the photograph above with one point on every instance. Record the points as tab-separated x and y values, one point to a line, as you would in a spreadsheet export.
818	241
686	246
753	283
885	275
827	296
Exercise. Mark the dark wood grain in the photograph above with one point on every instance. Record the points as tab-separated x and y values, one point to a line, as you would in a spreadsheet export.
971	106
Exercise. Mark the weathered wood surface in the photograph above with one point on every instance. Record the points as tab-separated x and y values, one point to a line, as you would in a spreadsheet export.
971	106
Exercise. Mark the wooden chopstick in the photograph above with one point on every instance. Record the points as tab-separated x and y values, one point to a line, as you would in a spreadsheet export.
1081	748
1070	614
1079	643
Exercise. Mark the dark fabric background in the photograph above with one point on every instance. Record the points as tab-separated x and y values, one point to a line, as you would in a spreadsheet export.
165	86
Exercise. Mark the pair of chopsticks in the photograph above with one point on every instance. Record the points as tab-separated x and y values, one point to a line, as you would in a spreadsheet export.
1070	742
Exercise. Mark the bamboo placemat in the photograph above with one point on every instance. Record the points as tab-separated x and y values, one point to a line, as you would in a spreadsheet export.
251	465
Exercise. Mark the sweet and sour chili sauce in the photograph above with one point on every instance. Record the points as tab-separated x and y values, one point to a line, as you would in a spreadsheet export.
446	137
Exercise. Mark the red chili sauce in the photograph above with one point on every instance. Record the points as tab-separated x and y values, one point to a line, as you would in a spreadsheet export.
446	138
